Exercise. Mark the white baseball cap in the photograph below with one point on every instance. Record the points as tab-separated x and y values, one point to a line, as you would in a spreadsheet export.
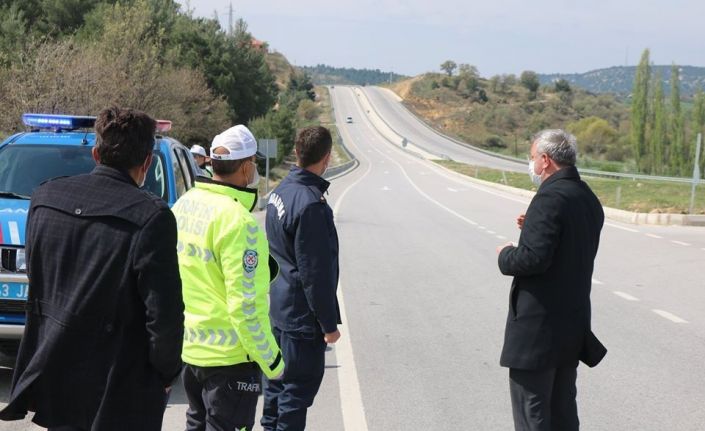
239	142
198	150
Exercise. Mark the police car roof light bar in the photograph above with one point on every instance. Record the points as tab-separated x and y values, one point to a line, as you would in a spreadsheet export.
52	121
163	126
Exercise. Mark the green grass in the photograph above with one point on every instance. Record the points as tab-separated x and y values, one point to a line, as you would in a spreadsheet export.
637	196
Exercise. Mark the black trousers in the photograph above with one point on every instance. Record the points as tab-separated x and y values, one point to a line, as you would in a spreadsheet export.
222	398
286	401
544	400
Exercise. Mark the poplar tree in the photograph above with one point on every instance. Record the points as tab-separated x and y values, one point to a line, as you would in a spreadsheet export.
679	155
640	110
659	133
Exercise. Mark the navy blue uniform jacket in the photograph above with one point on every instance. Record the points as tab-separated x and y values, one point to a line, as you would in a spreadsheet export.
303	240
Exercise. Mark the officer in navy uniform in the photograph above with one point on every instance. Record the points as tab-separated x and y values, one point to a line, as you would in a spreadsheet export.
304	307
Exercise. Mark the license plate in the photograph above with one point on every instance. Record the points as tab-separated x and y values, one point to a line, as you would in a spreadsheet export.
16	291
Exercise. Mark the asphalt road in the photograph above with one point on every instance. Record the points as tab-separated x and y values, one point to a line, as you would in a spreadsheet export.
425	305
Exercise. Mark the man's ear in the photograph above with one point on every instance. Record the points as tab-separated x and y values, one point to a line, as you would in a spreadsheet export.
148	162
96	156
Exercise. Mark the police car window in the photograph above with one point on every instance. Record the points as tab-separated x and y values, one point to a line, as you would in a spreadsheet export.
156	177
178	175
185	167
24	167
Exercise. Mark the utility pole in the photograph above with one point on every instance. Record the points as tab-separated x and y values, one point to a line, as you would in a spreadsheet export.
230	19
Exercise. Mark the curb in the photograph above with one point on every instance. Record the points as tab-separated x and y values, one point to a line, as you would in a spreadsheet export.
652	219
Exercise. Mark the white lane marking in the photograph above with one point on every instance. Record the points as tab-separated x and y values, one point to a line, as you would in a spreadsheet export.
672	317
596	281
350	395
501	237
651	235
685	244
386	172
491	232
622	227
14	233
385	188
626	296
351	406
482	228
451	189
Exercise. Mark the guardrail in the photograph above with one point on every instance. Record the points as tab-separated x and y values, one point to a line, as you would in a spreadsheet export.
587	172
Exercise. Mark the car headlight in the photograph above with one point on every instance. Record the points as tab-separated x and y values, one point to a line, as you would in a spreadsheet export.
13	260
20	261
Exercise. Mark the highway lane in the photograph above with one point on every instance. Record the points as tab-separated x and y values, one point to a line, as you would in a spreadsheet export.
425	306
443	304
399	118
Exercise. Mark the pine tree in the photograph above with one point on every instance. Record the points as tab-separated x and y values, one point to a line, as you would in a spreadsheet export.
659	133
640	110
679	156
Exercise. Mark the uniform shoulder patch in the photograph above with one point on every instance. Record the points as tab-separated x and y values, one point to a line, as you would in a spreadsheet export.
250	260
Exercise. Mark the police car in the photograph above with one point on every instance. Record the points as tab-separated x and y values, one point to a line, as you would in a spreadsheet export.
60	145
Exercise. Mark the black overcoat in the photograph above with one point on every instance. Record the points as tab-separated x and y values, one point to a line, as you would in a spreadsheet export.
105	313
552	265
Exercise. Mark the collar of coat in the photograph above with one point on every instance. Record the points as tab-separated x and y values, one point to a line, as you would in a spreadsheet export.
246	196
302	176
116	174
567	173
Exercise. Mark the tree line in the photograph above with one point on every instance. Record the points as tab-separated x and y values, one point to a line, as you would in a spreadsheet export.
663	134
77	56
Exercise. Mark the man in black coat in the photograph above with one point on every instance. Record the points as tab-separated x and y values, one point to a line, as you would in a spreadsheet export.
304	307
548	327
104	331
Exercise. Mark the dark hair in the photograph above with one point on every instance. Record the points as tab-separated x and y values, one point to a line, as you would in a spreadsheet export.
312	145
124	137
227	167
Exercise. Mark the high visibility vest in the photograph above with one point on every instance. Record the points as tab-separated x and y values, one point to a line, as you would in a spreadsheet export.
223	261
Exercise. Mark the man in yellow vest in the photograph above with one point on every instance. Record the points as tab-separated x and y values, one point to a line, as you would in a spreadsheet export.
223	261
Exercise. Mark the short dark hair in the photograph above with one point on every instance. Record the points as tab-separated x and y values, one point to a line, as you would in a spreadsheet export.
312	145
226	167
124	137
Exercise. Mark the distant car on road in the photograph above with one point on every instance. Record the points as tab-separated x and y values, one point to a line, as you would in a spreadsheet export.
56	146
348	119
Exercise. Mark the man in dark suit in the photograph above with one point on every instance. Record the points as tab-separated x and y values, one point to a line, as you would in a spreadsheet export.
548	327
104	331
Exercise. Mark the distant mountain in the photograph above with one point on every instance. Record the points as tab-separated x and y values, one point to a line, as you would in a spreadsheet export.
326	75
620	79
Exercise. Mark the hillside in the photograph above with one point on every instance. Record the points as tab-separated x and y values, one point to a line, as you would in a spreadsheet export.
500	114
328	75
280	68
620	80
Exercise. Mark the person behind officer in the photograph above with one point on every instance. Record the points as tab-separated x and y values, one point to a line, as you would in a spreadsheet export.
104	330
304	307
199	155
548	327
223	257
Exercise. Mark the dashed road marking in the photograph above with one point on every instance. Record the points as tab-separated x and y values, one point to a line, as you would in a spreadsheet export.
385	189
501	237
626	296
451	189
651	235
628	229
596	281
672	317
685	244
482	228
491	232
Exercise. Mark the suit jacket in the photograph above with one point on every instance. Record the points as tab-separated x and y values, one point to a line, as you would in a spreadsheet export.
549	306
105	314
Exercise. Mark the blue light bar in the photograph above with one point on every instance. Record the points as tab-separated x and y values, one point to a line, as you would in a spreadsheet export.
51	121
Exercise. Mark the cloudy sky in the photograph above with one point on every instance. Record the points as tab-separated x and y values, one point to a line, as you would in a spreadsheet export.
497	36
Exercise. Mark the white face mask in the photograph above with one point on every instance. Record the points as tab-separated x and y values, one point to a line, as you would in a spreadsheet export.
255	178
535	178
